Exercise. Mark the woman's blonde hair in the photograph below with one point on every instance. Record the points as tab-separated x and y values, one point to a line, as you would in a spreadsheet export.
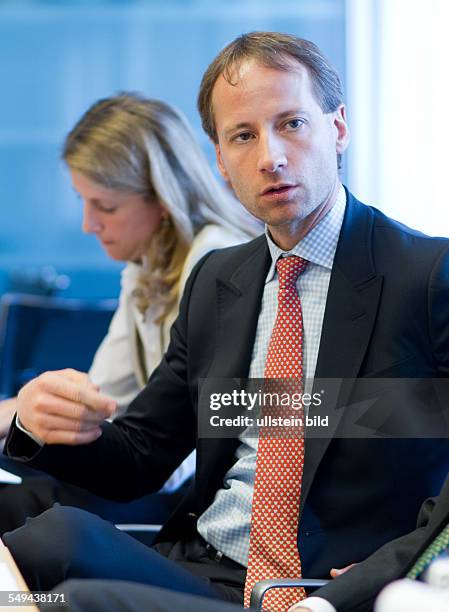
138	145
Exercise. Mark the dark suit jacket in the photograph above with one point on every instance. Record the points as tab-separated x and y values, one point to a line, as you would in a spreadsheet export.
386	315
356	590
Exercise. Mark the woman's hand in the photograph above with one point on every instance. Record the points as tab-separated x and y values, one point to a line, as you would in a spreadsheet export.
7	411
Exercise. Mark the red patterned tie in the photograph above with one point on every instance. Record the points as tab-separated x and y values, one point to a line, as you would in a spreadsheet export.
273	549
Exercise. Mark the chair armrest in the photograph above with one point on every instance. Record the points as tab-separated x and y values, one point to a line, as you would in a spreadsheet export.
263	586
145	533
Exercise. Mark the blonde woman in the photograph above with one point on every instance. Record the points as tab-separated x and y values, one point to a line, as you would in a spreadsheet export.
152	201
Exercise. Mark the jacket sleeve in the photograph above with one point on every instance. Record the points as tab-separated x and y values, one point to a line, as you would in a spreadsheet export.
356	590
139	450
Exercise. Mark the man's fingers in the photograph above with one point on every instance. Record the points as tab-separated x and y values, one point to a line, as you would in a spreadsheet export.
335	572
74	375
78	391
78	377
49	422
46	404
71	437
97	401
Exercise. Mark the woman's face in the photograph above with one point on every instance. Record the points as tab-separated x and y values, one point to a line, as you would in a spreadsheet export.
124	223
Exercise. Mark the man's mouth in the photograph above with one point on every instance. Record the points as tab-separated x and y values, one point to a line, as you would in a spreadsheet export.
278	191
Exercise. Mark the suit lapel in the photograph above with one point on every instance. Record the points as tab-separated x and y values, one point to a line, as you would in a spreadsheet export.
351	309
239	290
239	296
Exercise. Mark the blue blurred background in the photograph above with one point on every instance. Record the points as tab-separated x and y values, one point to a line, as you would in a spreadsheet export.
58	56
56	59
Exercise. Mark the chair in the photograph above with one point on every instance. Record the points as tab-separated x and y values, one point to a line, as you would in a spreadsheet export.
144	533
262	587
39	333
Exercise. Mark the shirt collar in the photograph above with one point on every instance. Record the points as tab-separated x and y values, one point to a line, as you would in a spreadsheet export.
320	244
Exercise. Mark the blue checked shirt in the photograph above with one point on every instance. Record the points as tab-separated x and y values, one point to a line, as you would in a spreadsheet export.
226	523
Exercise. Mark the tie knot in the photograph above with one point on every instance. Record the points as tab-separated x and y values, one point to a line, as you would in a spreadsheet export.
289	268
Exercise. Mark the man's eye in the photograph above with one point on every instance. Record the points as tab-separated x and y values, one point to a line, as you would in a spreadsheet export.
294	124
243	137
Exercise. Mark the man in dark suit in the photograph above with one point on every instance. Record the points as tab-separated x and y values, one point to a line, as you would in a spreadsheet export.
354	591
373	296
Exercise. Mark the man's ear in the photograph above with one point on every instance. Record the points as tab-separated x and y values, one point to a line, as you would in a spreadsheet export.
342	129
220	164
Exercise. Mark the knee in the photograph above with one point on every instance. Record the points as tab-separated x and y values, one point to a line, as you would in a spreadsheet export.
46	546
64	521
57	531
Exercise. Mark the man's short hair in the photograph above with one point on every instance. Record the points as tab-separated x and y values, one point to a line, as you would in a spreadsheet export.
273	50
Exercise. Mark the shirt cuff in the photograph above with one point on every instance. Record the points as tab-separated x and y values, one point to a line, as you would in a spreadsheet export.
28	433
316	604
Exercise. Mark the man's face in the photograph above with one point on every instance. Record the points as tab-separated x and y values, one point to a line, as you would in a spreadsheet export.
277	148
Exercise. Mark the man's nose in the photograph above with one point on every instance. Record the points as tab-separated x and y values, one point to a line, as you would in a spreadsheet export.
91	222
272	157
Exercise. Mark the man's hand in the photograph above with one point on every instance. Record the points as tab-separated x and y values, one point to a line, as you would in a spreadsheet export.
63	407
335	573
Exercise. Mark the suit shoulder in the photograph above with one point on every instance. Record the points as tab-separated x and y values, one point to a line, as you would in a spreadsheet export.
230	257
222	263
384	223
393	238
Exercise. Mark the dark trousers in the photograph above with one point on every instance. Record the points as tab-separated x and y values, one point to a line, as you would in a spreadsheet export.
118	596
39	492
66	542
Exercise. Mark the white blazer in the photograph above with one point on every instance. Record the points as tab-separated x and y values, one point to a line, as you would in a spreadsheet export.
117	368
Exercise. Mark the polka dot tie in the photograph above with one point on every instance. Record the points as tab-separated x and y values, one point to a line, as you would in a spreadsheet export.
273	548
439	545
